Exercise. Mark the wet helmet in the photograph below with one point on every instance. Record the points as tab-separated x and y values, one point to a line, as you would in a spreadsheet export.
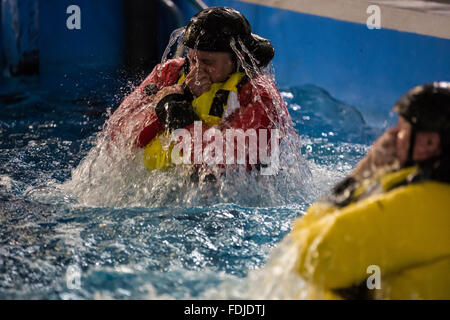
214	28
427	108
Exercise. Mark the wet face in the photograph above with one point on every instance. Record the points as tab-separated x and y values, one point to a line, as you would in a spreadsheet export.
217	65
426	145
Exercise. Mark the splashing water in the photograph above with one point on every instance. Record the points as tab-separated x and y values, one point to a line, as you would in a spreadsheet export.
175	37
197	67
72	200
113	174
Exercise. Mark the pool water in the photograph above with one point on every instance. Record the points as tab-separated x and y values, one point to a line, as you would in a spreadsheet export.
73	226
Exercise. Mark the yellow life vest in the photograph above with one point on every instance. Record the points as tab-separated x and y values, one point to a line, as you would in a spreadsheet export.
404	231
209	107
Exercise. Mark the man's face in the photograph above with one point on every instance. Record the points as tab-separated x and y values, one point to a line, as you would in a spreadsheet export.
218	65
426	145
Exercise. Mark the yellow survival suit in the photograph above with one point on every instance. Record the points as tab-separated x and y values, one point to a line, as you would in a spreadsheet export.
401	227
209	107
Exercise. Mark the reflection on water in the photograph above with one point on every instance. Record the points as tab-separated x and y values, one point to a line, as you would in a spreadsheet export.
65	206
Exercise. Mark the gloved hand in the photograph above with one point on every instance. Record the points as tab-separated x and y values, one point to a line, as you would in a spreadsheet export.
175	110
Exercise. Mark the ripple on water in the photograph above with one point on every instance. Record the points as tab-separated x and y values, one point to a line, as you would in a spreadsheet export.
132	234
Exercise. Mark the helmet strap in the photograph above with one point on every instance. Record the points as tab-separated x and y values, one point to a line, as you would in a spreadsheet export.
412	141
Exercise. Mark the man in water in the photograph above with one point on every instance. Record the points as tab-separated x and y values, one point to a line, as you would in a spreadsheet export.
383	233
220	83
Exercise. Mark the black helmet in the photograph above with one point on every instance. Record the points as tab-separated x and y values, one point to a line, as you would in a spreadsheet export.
427	107
213	29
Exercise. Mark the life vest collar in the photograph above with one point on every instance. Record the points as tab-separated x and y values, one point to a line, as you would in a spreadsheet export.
209	107
353	191
395	179
211	104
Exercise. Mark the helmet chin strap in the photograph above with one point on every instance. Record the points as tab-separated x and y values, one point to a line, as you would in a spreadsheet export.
412	140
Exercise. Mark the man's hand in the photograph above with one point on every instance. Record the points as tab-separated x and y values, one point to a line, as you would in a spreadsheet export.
198	81
383	153
173	108
176	88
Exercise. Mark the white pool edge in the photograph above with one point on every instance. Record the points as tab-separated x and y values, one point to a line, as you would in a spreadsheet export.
393	18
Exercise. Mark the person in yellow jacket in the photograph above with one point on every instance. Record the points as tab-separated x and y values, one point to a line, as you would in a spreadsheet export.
384	232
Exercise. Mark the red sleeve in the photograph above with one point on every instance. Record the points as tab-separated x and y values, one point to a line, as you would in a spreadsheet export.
150	131
261	107
164	75
135	120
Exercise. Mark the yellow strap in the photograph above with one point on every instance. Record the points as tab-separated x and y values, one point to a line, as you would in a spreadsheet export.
230	84
202	104
157	152
387	180
182	78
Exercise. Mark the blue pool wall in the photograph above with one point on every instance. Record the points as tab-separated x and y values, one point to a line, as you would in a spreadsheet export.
369	69
78	59
19	41
1	44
